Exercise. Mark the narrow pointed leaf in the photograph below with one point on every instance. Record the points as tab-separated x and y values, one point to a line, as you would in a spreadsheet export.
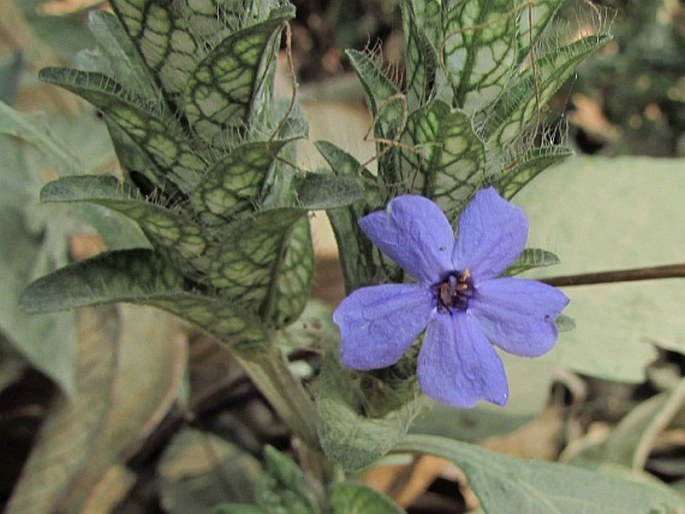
234	183
383	98
141	277
220	91
507	484
169	229
524	97
124	58
532	258
151	127
421	58
513	179
351	498
316	191
480	50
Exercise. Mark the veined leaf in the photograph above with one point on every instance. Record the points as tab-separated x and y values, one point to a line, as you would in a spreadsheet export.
385	101
165	42
448	153
124	59
221	90
529	91
158	133
533	18
532	258
141	277
480	50
293	276
178	234
420	55
506	484
535	161
234	183
243	261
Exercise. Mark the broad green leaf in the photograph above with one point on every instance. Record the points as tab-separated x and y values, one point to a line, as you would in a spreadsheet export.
350	439
130	367
285	488
532	258
318	191
222	88
152	127
142	277
351	498
525	95
172	230
449	154
165	42
605	214
519	173
199	470
124	59
420	55
241	264
293	277
480	50
233	183
506	484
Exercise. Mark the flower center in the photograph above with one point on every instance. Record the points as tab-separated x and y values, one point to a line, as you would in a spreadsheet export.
455	290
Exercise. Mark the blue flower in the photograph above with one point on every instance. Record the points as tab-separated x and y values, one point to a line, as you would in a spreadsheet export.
458	299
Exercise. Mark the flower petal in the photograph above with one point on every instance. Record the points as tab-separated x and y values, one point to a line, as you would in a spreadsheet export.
458	365
378	324
414	233
518	314
492	234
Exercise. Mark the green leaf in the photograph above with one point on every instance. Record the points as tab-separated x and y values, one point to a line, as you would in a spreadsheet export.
285	489
199	470
533	19
449	154
142	277
243	261
171	230
124	59
164	41
526	168
480	50
152	127
351	498
222	88
524	96
233	183
293	277
386	103
602	214
317	191
506	484
532	258
420	54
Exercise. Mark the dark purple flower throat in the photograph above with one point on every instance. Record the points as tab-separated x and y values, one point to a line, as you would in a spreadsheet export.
454	291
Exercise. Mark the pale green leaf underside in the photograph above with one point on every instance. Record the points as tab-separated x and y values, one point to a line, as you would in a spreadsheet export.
532	258
142	277
507	484
317	191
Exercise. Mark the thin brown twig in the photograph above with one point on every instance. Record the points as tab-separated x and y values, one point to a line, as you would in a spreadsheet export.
614	276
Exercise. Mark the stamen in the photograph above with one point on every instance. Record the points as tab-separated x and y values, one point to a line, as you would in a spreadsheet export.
454	291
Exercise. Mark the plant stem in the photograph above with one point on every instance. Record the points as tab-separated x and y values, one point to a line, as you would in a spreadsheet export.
285	393
628	275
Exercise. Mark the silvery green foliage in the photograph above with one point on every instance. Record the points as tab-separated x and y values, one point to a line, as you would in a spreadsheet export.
186	89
